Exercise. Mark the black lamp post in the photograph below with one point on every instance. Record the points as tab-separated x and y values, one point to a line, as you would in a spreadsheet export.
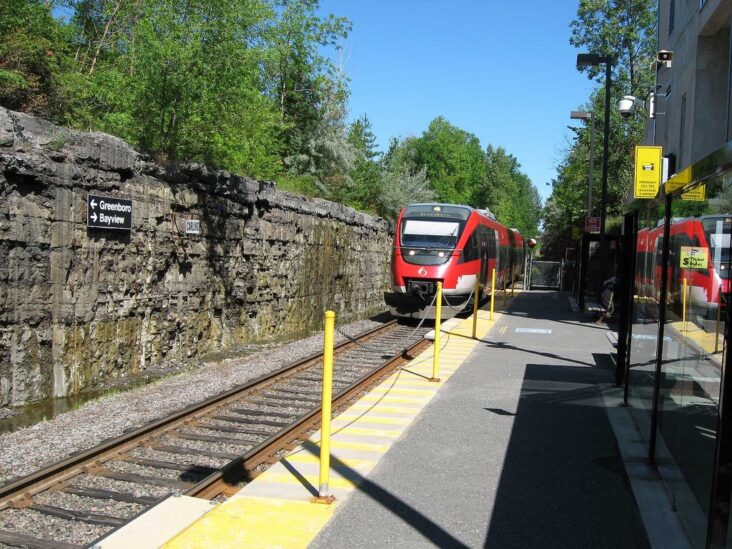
594	60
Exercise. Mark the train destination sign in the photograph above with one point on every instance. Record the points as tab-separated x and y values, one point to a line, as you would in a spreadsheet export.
694	258
106	212
647	178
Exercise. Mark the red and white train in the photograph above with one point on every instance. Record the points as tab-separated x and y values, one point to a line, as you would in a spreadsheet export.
706	287
452	244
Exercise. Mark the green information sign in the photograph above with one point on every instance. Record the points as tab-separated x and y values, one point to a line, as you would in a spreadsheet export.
694	258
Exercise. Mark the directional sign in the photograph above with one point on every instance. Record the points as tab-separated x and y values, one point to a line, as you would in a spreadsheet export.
647	172
105	212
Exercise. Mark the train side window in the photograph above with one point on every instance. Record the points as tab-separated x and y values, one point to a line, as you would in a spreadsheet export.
658	252
491	243
471	251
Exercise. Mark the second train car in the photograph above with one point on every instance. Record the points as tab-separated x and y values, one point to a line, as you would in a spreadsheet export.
452	244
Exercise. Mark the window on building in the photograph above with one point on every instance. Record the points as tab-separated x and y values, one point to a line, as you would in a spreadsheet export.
682	127
671	14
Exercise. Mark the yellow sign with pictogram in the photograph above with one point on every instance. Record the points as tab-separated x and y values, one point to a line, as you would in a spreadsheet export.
694	258
648	163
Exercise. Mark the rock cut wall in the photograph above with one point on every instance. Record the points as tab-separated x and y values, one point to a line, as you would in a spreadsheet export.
81	307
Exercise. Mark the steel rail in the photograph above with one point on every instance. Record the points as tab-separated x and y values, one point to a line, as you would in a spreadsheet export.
24	488
244	467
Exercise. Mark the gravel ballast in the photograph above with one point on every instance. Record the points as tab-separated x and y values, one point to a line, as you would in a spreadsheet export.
27	450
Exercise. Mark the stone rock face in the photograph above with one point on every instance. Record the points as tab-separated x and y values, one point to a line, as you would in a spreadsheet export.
82	307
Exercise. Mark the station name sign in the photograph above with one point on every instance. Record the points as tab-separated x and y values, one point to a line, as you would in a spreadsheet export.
105	212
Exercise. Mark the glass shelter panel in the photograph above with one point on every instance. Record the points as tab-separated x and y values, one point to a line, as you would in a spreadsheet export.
691	370
693	311
645	314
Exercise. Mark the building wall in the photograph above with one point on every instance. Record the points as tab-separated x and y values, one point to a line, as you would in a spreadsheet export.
693	115
81	308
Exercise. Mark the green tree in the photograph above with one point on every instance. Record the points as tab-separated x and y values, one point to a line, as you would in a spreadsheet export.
622	30
625	32
366	176
401	188
33	47
453	159
508	192
304	83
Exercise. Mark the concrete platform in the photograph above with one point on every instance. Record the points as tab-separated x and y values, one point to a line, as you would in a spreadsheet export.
164	521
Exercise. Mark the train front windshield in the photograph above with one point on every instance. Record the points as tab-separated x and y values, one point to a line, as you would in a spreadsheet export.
718	232
429	241
422	233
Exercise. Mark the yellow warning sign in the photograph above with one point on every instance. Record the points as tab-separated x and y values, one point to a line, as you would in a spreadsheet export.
697	194
678	180
694	258
647	178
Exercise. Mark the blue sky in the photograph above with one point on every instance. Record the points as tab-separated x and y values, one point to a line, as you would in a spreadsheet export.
503	71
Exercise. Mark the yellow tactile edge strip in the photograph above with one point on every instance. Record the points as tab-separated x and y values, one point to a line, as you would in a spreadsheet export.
276	509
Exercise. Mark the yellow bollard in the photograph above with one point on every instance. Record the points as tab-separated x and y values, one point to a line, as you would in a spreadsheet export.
328	337
719	318
683	308
476	299
493	290
438	319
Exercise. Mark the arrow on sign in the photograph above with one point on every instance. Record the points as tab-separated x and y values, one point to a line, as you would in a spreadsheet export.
94	217
93	204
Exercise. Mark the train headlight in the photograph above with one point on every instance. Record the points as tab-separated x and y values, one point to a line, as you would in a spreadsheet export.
412	252
441	254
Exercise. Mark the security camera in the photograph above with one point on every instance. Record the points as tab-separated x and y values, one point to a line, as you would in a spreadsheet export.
626	106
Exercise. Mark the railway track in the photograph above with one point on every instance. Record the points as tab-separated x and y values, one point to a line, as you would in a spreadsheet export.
207	450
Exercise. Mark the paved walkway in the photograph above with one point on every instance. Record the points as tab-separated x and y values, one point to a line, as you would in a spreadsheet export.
516	450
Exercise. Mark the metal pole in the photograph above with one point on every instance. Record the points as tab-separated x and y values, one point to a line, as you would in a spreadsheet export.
605	152
627	305
656	397
683	307
493	290
438	319
592	164
476	298
328	338
719	316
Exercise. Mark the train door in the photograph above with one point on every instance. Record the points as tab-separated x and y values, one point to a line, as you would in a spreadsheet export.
657	268
511	256
484	236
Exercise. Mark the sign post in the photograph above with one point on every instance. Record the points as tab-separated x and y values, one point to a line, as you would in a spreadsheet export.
104	212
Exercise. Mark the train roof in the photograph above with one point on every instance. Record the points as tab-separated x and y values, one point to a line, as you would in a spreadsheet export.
419	207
